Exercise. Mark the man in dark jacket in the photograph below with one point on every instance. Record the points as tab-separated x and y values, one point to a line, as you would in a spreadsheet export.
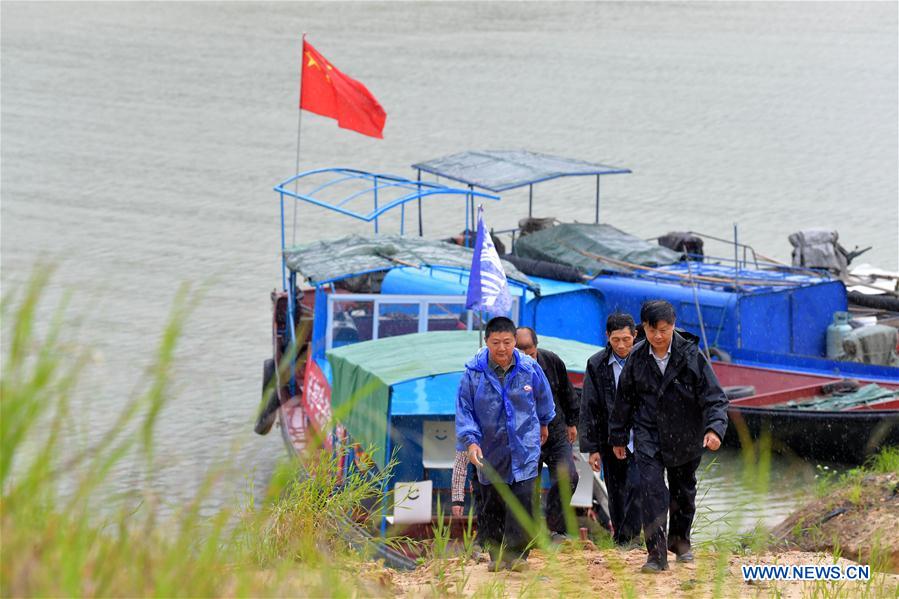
600	382
556	453
671	398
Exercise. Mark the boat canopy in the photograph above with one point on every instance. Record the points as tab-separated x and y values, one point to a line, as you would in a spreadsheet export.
364	374
348	191
327	261
501	170
334	188
576	244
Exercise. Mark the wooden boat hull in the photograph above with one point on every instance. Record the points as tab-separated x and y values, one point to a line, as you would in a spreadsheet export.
847	436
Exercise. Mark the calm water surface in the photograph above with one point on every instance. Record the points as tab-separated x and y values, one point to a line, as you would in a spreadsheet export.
140	143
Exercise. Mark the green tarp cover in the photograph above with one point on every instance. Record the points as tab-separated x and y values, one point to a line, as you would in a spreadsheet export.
867	395
323	261
362	373
565	243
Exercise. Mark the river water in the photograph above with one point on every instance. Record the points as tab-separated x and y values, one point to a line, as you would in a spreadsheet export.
140	143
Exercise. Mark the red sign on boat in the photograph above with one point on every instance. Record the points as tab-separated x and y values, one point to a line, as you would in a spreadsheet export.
316	397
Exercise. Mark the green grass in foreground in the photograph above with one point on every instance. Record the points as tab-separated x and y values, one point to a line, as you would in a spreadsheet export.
81	543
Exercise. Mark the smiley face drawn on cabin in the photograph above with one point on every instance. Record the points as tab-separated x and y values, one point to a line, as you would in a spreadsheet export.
413	502
438	443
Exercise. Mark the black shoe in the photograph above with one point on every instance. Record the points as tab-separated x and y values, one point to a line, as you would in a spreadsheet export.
558	538
653	566
518	565
685	558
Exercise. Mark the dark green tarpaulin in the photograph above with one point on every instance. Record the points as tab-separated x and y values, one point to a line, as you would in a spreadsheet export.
323	261
570	243
867	395
362	374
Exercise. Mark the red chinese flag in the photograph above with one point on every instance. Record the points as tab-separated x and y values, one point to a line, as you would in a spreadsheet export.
328	92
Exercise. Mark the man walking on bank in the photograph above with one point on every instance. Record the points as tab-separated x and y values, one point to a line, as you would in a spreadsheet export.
503	408
600	383
556	453
671	398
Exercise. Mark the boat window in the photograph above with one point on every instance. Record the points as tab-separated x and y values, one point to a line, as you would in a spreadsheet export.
351	321
351	316
398	319
447	317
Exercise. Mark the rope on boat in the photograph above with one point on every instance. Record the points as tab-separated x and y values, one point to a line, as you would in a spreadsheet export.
687	277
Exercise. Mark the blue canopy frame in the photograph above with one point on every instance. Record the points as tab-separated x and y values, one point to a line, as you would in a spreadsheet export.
374	184
501	170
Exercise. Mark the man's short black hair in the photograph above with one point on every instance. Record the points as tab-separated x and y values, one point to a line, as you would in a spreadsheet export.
531	331
620	320
653	311
499	324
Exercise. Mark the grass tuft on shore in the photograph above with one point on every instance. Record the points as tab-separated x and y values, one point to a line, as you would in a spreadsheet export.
64	536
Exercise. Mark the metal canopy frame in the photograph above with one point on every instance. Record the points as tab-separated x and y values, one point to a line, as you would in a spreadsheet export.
520	159
372	184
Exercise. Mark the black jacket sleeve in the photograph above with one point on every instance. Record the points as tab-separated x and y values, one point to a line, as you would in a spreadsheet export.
589	437
570	407
712	399
621	419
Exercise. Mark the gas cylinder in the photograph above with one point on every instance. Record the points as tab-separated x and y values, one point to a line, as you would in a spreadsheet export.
836	331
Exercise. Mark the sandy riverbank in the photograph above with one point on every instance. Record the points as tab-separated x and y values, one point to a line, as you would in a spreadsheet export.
855	521
859	520
616	573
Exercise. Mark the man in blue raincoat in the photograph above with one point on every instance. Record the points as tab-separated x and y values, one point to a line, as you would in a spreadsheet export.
503	410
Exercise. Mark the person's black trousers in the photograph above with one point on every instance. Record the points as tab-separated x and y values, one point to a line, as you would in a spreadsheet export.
477	497
678	501
497	523
622	478
557	453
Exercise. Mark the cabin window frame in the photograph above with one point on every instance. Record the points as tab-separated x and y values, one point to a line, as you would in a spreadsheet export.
423	301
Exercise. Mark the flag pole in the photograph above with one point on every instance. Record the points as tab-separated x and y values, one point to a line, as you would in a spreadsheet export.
296	170
481	330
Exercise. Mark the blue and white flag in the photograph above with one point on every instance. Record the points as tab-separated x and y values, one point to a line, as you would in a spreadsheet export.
488	289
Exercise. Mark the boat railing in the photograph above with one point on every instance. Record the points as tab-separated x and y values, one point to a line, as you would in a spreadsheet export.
363	196
747	250
513	232
375	185
750	272
758	261
724	273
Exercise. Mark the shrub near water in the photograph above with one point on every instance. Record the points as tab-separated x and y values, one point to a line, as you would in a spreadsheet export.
61	544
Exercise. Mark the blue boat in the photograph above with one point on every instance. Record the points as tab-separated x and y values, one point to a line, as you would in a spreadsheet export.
746	308
348	304
347	322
